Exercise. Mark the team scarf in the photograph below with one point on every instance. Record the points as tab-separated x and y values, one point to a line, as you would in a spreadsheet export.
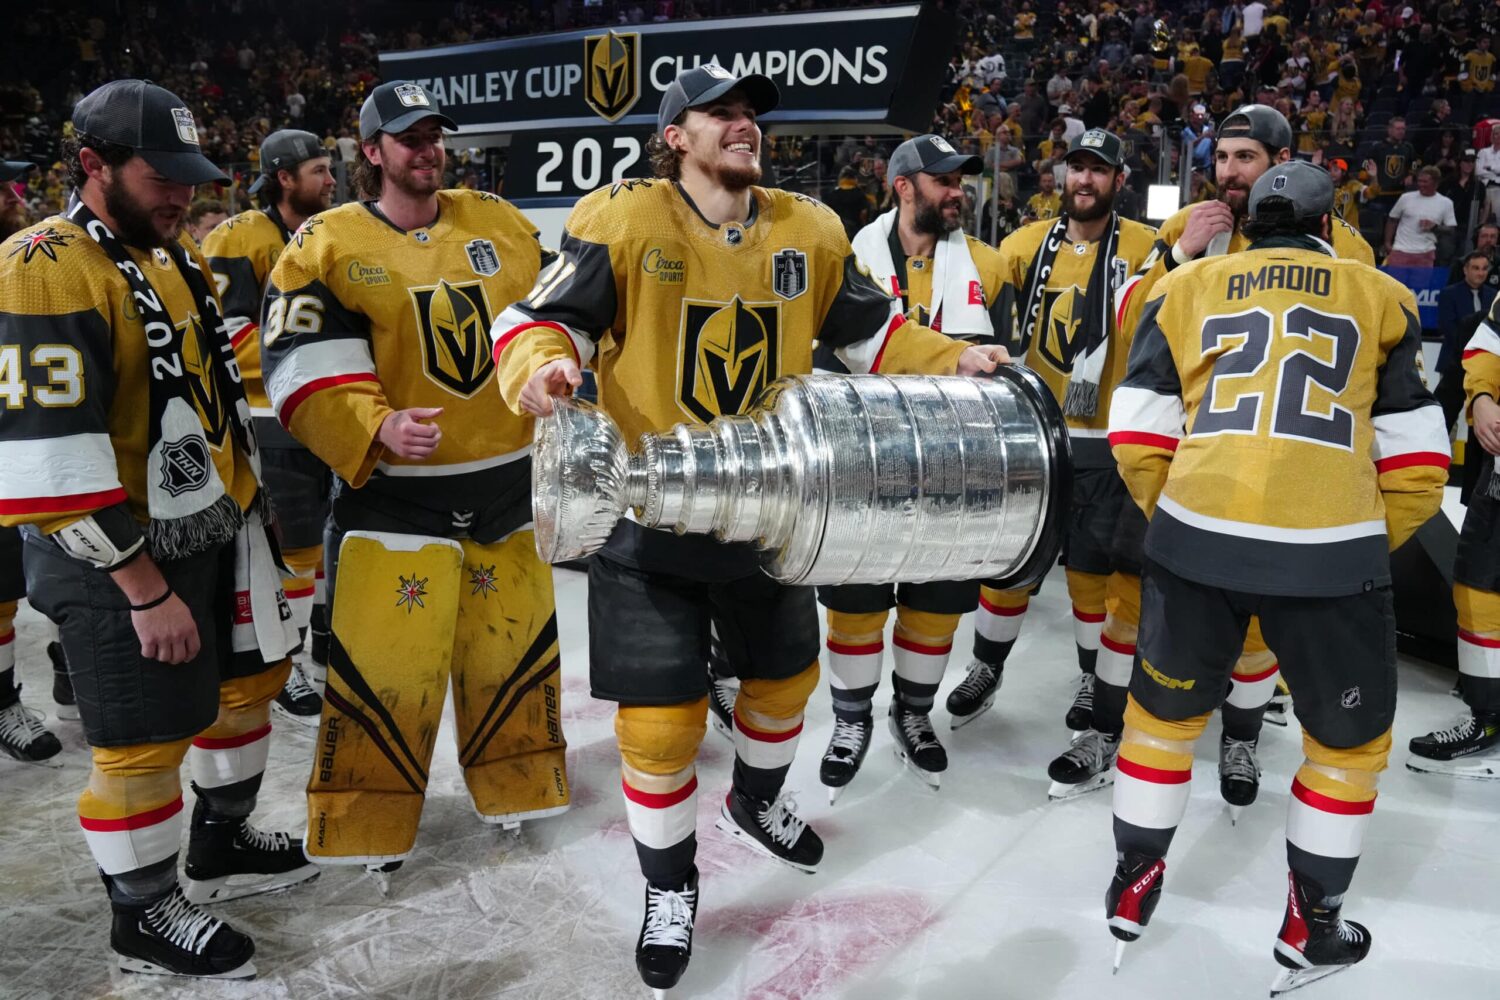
1097	310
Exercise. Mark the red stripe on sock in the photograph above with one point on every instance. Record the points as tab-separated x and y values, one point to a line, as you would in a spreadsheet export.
8	638
917	647
1488	642
660	800
1091	617
136	822
1155	775
1123	648
1329	804
1252	678
763	735
307	591
230	742
1003	612
849	649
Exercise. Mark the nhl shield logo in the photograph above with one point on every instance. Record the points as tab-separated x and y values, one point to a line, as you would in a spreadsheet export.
184	465
482	257
612	73
789	273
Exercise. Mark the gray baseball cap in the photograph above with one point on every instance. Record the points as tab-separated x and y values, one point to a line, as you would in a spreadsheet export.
1098	142
14	170
707	83
396	106
154	122
1308	188
283	150
930	154
1259	122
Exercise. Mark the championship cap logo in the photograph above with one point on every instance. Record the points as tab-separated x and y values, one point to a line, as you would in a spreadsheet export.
411	96
1093	138
942	145
612	64
716	71
186	130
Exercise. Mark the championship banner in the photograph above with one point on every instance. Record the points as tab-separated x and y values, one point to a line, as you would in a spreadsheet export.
877	65
1425	283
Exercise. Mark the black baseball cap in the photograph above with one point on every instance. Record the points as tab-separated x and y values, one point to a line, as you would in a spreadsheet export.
283	150
1259	122
396	106
1100	143
703	84
1309	188
154	122
13	170
930	154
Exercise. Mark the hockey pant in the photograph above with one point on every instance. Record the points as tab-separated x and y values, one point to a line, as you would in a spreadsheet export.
131	810
1478	647
409	612
997	622
1333	795
923	641
658	744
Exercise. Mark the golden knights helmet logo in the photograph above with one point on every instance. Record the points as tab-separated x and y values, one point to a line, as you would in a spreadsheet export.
729	353
612	73
198	370
454	320
1061	333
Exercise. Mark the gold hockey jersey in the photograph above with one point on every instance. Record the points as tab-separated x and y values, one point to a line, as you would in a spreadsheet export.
1055	338
362	319
690	320
1274	425
74	381
1482	362
242	251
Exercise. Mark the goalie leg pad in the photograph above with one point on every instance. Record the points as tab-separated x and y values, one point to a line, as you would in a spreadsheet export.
394	615
507	685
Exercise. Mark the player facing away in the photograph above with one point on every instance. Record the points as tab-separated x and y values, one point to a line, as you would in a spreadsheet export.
953	283
1274	427
1065	274
1471	748
295	184
690	293
127	455
376	343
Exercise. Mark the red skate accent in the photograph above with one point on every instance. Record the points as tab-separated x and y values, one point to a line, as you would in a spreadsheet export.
1127	915
1292	941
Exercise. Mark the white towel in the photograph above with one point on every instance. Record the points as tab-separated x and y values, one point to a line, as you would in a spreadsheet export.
262	617
957	292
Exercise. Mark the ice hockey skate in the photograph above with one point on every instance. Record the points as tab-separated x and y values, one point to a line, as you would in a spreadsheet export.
62	684
380	874
772	829
722	691
1280	705
228	858
665	946
1131	899
846	752
1468	749
24	738
172	937
1239	775
1081	713
1086	766
298	701
1314	942
917	745
974	695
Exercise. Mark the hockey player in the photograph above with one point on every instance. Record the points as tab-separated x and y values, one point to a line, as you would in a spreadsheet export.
1471	749
375	337
952	283
126	452
295	184
690	293
1274	426
1065	274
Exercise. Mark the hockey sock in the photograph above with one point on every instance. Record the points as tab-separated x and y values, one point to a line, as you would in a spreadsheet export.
1478	647
1153	772
8	693
657	746
302	586
229	757
131	815
923	641
767	723
1116	657
1333	796
855	647
997	623
1251	687
1087	591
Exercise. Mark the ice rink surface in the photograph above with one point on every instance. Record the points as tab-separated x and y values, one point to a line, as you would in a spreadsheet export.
983	890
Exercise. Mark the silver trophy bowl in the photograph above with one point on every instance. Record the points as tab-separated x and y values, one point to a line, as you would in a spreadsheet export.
838	479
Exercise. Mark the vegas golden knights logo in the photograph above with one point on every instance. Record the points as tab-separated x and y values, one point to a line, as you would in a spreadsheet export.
730	352
612	73
1061	334
198	368
1395	166
455	323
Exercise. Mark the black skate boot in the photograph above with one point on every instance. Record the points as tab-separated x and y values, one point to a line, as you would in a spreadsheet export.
846	752
1239	774
1315	942
23	736
228	858
771	828
665	946
1469	749
1280	704
1081	713
917	745
1087	765
62	684
380	874
722	691
299	701
1132	898
974	694
169	936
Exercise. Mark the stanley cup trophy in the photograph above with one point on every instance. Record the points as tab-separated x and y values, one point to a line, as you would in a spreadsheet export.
837	479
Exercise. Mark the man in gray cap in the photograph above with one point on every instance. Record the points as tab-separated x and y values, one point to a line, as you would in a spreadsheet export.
127	456
1272	498
13	216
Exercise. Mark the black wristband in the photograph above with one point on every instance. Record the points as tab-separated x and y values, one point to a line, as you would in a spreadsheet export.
153	604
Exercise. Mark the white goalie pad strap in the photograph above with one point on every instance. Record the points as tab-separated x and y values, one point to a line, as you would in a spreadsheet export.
661	820
230	760
123	845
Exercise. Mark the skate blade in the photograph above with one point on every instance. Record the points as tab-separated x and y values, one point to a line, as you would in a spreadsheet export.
1060	792
959	721
1276	719
67	713
834	791
658	993
143	967
1234	815
201	892
1119	956
732	828
513	821
1294	979
54	762
306	723
1475	769
721	727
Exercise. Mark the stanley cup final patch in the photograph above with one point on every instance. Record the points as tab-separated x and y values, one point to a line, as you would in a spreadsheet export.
411	96
187	131
482	257
789	273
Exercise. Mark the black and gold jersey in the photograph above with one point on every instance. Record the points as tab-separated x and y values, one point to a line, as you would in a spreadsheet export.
242	251
362	319
1482	359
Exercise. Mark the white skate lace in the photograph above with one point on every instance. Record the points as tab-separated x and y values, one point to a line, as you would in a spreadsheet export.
1237	760
1348	933
724	694
918	729
1084	699
21	726
263	841
779	820
849	736
297	686
1462	730
669	917
181	923
1094	750
981	678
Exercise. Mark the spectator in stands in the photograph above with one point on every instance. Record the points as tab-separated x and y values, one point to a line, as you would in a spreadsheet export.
848	202
1034	108
1058	86
1487	242
1456	304
1047	202
1309	124
1343	128
1411	228
1487	169
203	215
1232	64
13	214
1003	160
990	101
1461	187
1199	133
1200	188
1348	192
1392	162
1253	18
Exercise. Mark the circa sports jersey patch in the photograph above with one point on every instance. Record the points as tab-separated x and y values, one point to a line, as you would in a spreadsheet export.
44	241
667	270
728	352
482	257
411	96
789	273
454	320
187	130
